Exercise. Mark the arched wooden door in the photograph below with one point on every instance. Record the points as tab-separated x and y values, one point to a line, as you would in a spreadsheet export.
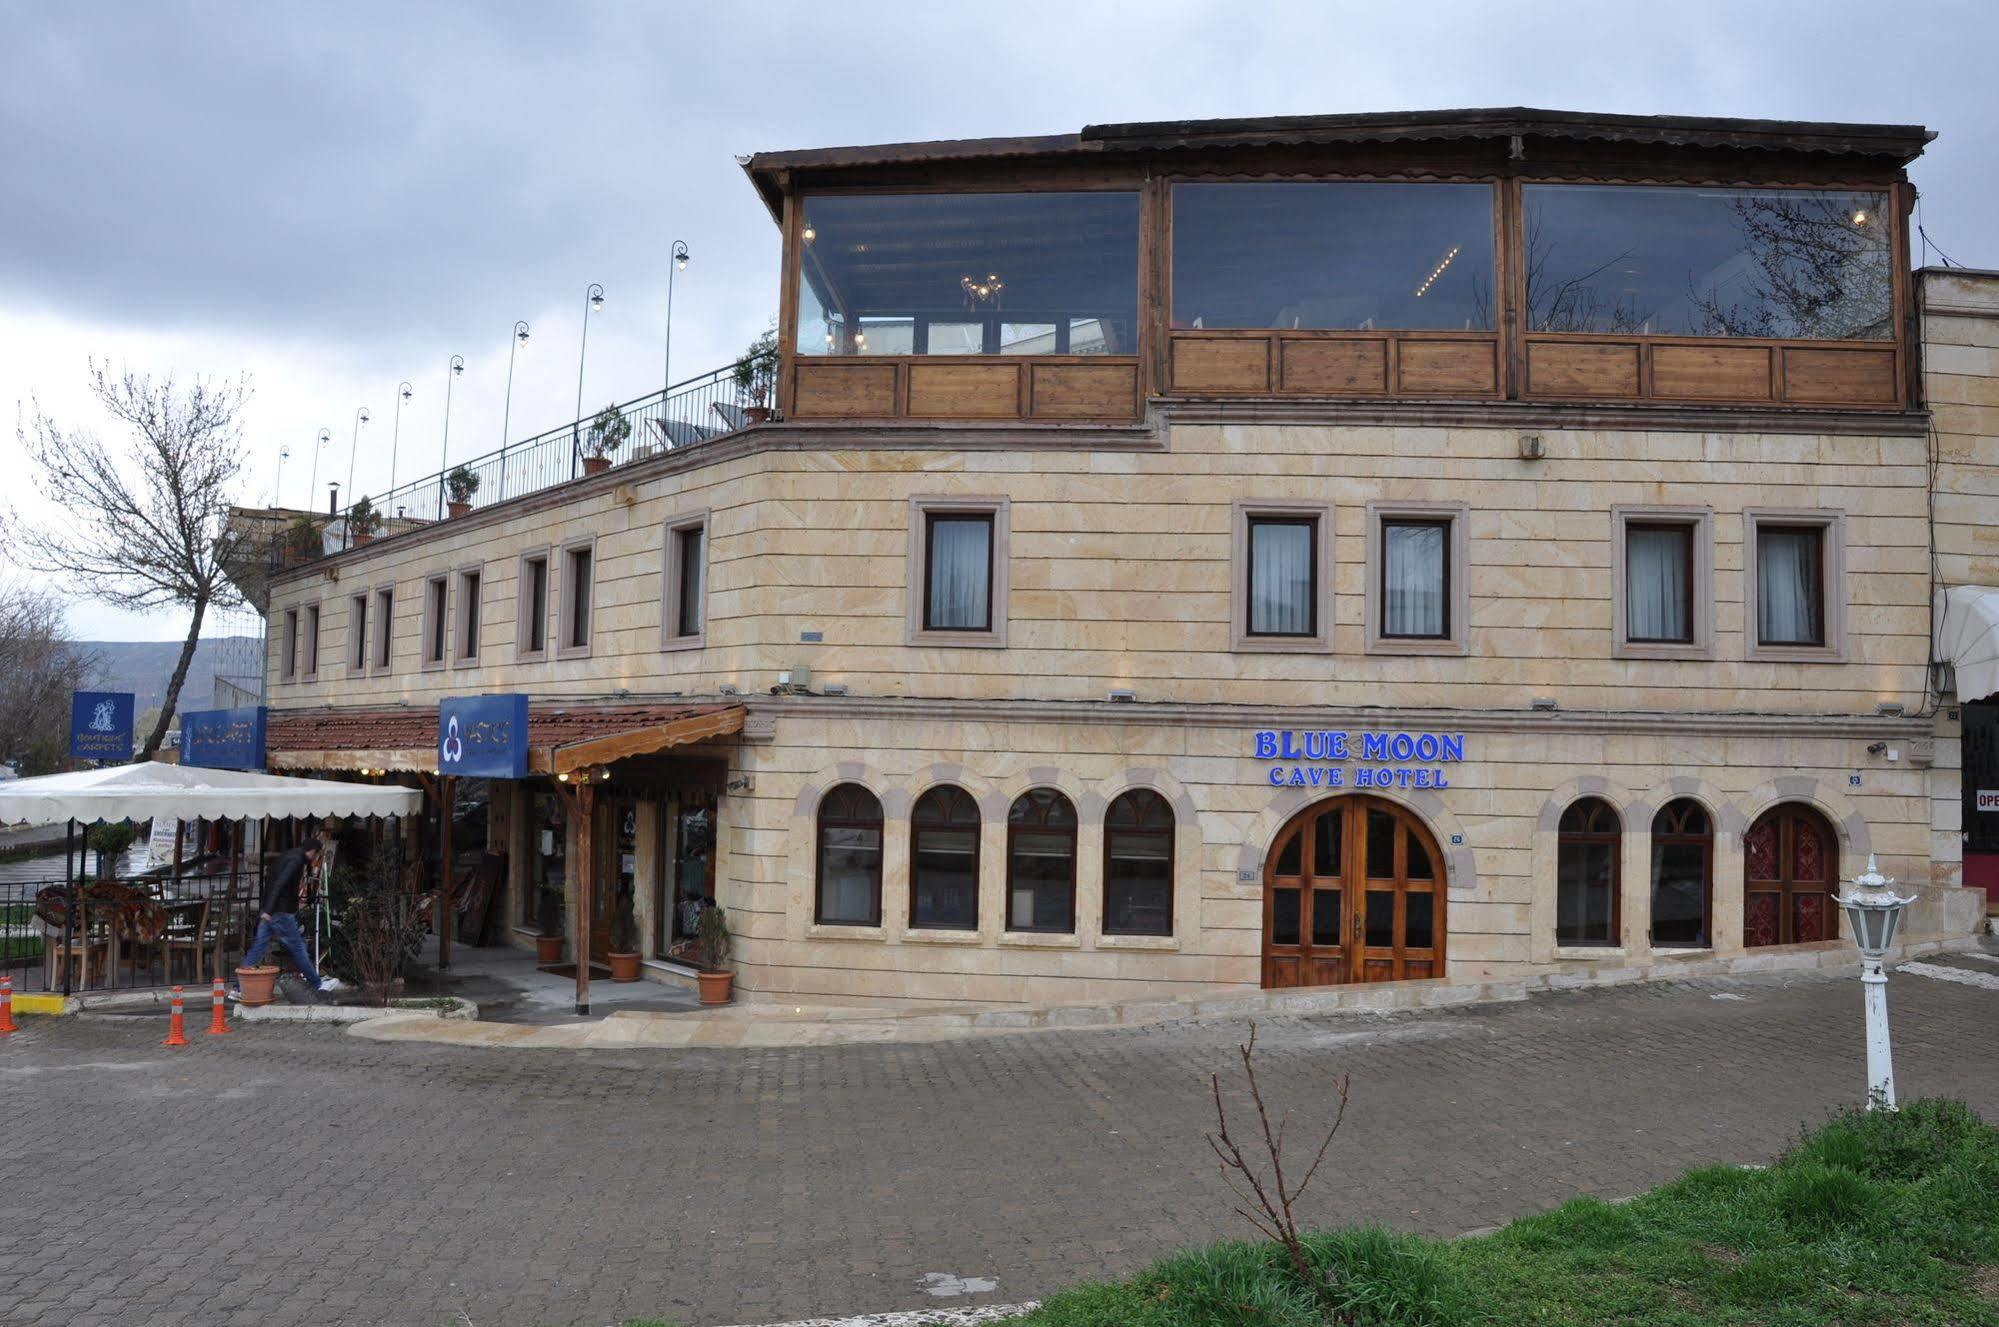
1353	890
1790	867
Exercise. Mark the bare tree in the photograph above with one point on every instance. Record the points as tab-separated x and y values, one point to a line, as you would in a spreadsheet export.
39	668
145	526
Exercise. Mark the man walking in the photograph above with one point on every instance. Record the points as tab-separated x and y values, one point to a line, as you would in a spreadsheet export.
277	916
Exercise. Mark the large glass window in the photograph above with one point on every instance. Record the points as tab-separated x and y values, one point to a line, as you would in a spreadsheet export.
1138	865
1659	581
1686	261
1790	585
1340	255
1041	862
1415	579
958	572
1586	874
944	860
969	274
1682	875
1283	562
850	858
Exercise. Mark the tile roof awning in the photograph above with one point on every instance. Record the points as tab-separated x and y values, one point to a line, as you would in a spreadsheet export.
560	737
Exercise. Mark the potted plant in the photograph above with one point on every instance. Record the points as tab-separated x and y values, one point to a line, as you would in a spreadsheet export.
608	432
259	985
711	953
376	924
363	521
755	375
109	842
624	953
302	540
459	486
548	915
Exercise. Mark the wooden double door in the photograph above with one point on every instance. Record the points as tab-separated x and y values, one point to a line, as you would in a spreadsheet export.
1353	890
1790	869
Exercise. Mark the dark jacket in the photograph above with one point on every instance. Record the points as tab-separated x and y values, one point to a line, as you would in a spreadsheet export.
282	882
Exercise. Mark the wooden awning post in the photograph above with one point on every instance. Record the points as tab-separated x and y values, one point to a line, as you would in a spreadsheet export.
447	862
586	883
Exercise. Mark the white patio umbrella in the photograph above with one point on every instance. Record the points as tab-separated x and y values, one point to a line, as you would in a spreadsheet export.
150	788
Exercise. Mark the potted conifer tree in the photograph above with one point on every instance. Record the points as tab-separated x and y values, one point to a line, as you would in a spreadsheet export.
363	522
459	486
608	432
624	952
711	952
548	915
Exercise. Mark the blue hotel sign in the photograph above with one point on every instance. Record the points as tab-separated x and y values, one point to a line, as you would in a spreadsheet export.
100	725
483	737
1329	759
223	739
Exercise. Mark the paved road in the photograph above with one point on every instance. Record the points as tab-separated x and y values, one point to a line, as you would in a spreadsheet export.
294	1175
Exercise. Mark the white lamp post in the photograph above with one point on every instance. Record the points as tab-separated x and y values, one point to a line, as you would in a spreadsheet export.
1874	913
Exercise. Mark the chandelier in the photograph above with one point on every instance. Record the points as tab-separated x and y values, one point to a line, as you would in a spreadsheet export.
979	293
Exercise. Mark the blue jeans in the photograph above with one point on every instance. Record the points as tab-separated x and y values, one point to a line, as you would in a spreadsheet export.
283	927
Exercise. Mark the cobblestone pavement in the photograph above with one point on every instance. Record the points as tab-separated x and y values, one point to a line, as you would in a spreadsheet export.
290	1174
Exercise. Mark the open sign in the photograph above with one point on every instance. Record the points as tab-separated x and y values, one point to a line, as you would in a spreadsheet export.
1988	799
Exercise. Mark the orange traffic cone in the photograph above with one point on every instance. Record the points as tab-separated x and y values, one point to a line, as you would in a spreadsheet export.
7	1006
176	1028
218	1022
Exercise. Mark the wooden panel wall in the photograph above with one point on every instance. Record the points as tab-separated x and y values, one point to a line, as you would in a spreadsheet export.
1732	372
1095	389
1206	363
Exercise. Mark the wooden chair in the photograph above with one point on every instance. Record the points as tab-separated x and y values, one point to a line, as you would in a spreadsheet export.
187	934
84	951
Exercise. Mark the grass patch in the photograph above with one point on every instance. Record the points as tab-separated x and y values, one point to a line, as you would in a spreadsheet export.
1874	1218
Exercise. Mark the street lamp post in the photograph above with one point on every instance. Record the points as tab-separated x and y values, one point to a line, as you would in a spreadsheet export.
278	483
452	370
403	393
1874	913
593	298
361	417
666	375
507	412
312	483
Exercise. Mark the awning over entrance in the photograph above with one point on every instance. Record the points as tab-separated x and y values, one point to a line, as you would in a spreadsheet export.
152	789
1968	638
561	738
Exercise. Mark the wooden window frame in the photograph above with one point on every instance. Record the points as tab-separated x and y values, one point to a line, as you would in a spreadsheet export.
1614	839
308	641
467	614
916	828
1700	581
436	621
998	512
821	822
1245	514
288	646
566	609
1013	831
1171	834
525	613
672	578
1457	576
360	649
1706	844
382	648
1833	588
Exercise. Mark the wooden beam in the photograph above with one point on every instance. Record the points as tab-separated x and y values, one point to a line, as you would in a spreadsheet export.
586	882
636	742
440	908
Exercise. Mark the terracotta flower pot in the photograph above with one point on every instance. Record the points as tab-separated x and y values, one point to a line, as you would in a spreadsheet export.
624	967
259	984
360	539
596	465
457	509
757	414
548	949
716	987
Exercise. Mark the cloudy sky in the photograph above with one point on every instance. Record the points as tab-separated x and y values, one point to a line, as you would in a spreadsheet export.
334	198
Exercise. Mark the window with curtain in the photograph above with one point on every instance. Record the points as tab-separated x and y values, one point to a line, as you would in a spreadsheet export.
1658	581
1586	874
1041	862
958	572
385	623
436	627
1682	875
690	568
534	605
1138	864
944	860
468	616
1283	576
357	632
1415	579
288	662
1790	585
850	858
309	642
576	590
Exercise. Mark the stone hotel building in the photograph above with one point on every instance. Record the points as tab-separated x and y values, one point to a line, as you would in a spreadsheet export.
1435	549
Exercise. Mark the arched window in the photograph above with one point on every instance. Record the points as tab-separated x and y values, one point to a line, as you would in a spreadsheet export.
1586	851
1682	875
1790	866
944	860
1041	862
1138	865
850	858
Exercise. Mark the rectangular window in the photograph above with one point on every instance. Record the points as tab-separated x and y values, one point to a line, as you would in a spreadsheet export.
578	569
468	616
531	607
968	274
1347	255
288	659
958	572
684	585
1790	585
357	633
1659	582
385	616
436	626
1694	261
1283	576
1416	579
309	642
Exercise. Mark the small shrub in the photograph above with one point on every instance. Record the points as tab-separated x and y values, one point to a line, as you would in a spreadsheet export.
1820	1199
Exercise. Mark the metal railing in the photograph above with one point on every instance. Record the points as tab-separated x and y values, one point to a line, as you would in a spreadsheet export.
103	935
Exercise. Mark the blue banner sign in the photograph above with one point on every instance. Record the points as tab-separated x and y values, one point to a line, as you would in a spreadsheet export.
483	737
223	739
100	725
1330	759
